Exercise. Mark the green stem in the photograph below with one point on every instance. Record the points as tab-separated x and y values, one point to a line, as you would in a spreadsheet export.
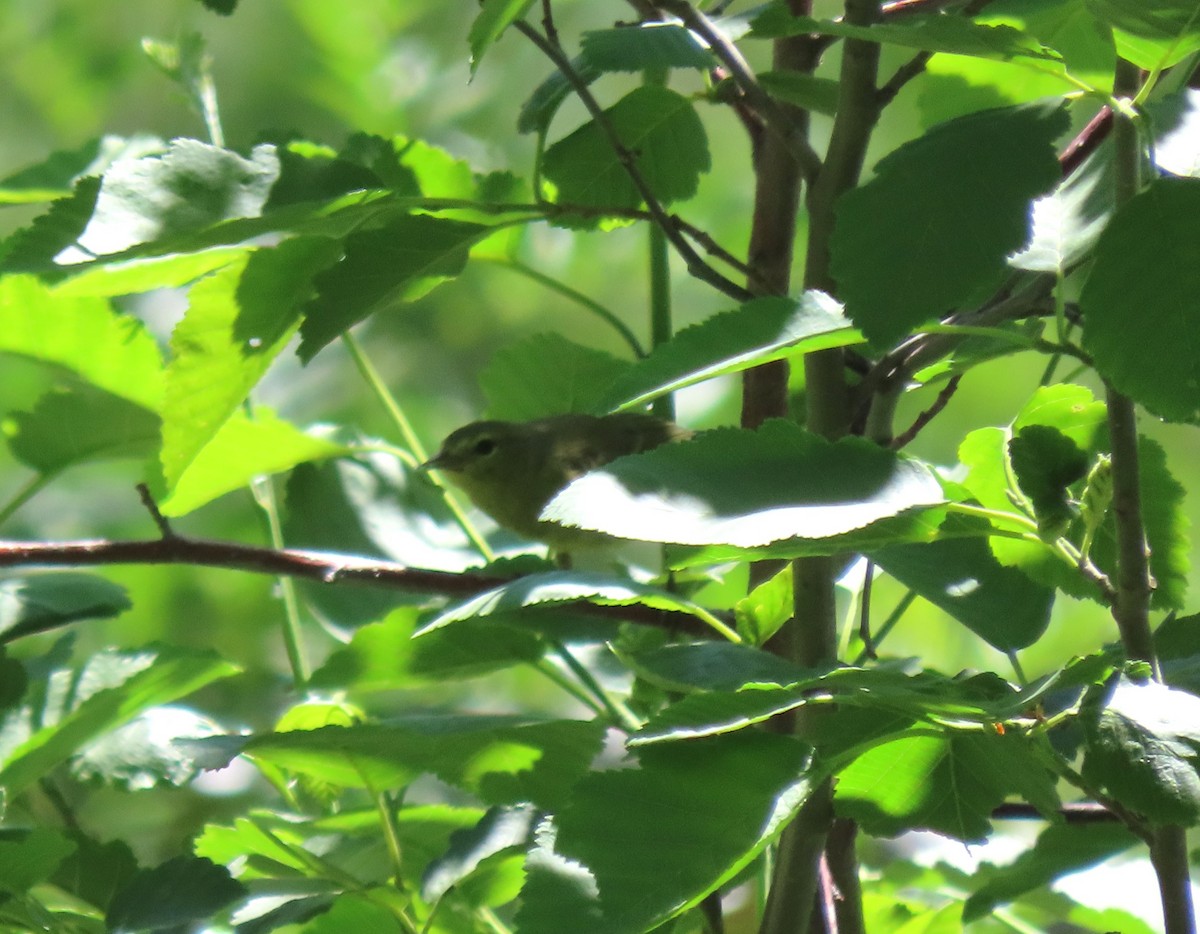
549	671
561	288
618	713
293	640
888	624
409	436
25	494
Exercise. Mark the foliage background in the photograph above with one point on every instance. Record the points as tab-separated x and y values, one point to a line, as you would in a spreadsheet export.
71	70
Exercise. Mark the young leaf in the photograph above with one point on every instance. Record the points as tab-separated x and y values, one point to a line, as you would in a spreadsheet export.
244	448
83	336
1137	298
645	46
621	823
237	322
1143	746
546	374
954	219
389	265
658	127
489	25
746	488
761	330
40	602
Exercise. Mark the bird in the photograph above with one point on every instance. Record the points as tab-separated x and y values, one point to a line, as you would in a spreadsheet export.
511	470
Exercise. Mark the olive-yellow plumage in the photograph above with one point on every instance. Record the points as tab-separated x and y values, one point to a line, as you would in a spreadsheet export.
511	470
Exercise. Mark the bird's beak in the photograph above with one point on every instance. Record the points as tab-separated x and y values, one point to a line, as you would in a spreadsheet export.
439	461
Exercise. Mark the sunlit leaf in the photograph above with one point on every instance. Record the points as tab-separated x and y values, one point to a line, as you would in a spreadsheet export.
1152	34
490	23
746	488
662	131
762	330
244	448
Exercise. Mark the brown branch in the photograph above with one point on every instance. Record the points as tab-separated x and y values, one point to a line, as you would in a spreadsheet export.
791	132
1087	142
164	527
919	423
320	567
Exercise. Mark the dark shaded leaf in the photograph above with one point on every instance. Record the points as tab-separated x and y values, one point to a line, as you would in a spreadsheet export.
181	890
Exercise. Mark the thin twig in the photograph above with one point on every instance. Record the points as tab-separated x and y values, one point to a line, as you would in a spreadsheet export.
943	399
317	566
164	527
794	135
1087	141
904	74
695	263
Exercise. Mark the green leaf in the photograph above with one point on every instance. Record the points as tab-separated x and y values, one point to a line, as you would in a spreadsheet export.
244	448
55	176
620	823
803	90
767	607
746	488
1152	34
503	760
1177	645
658	127
80	426
397	263
1176	119
355	911
40	602
937	33
147	752
500	829
237	322
541	106
546	374
712	714
948	782
1143	746
384	656
36	247
190	186
1046	463
1067	222
123	686
713	666
644	46
999	604
557	587
1153	237
956	219
182	890
1060	849
144	275
83	336
761	330
495	17
31	857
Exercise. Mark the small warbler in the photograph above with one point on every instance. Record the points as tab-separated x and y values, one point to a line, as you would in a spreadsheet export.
511	470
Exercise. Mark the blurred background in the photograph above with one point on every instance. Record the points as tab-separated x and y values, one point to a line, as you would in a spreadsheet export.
74	70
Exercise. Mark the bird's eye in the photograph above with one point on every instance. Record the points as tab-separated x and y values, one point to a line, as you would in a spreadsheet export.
485	446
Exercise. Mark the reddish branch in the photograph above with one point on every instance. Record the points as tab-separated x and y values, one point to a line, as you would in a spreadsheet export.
321	567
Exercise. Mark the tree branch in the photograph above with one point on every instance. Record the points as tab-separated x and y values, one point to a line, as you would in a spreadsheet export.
317	566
